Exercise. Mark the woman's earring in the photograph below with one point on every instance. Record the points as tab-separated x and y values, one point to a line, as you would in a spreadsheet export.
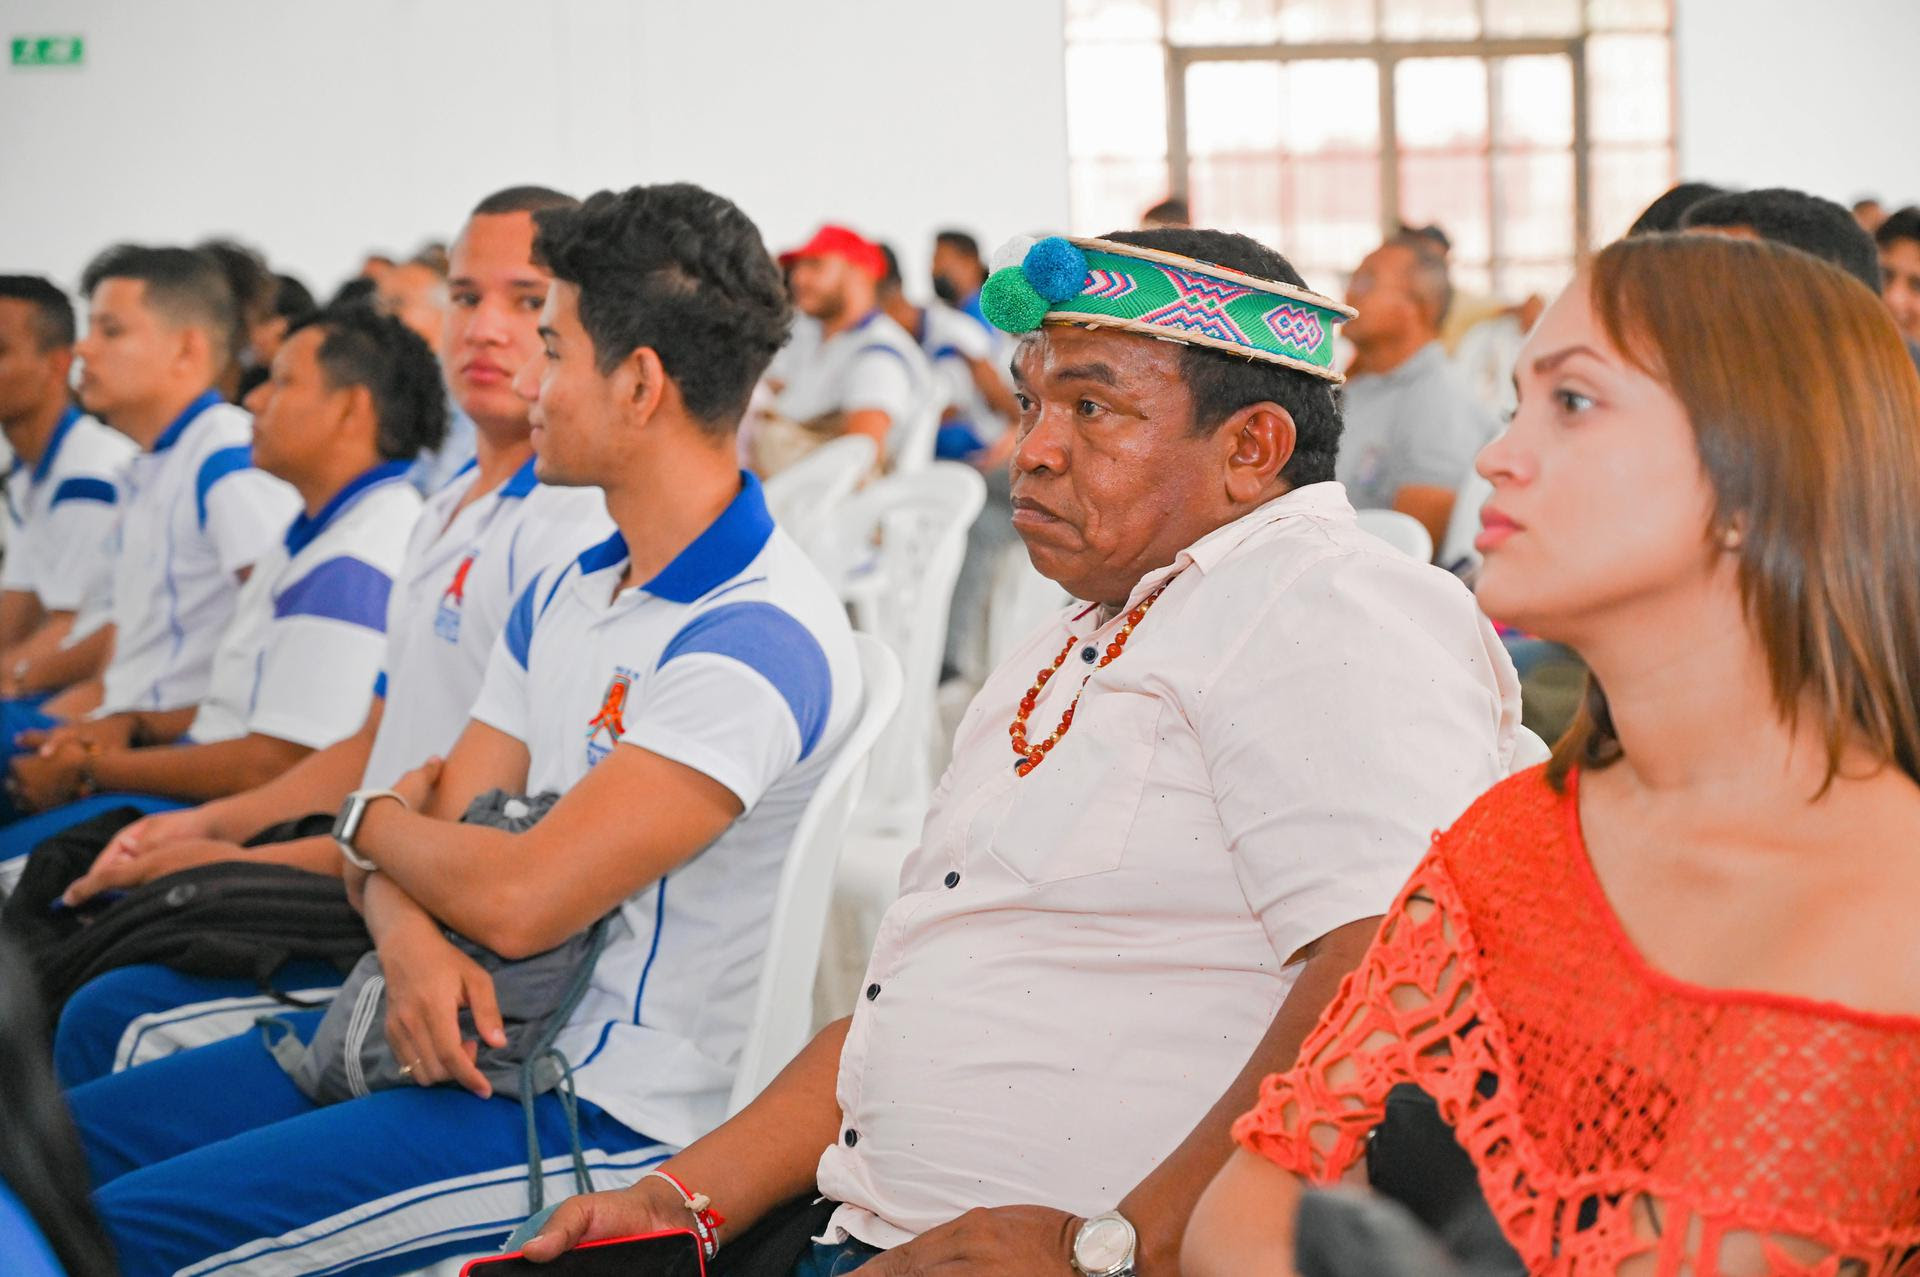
1730	537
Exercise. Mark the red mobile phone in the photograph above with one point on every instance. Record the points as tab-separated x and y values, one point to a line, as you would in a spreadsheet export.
670	1254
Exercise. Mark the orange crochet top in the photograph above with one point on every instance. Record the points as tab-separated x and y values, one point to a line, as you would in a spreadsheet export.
1636	1123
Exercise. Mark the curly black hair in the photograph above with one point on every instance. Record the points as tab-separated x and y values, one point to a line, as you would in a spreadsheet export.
360	347
1796	219
1664	214
1221	384
680	271
1902	224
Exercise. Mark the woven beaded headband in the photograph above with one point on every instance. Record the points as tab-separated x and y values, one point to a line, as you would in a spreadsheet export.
1105	284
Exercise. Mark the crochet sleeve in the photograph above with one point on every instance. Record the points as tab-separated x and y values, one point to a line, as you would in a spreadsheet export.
1394	1020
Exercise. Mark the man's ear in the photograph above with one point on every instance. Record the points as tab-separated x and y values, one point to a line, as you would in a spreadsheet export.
1260	440
360	401
60	366
643	384
194	343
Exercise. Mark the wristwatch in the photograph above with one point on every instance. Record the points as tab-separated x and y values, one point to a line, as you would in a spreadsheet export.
347	823
1104	1246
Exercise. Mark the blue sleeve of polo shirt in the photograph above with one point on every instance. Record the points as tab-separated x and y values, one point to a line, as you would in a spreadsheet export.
323	648
518	634
742	693
241	510
85	488
344	589
217	466
68	556
502	702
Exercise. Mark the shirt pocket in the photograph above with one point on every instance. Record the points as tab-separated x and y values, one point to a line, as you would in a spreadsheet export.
1073	815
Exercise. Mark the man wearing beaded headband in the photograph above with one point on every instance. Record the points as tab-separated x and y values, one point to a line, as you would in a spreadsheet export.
1228	757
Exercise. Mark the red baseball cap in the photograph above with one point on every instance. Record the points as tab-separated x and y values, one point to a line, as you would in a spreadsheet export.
838	241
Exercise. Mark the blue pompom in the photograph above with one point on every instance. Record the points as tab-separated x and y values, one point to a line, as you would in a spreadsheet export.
1056	269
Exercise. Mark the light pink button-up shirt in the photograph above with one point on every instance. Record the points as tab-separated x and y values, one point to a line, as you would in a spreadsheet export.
1081	960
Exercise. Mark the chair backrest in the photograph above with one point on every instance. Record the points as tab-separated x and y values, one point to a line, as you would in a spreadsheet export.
898	546
1020	599
1401	531
910	443
1463	525
803	497
783	1005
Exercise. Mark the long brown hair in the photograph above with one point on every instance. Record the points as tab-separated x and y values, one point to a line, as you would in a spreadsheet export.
1805	407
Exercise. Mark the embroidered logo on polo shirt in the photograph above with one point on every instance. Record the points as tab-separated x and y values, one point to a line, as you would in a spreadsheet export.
446	621
611	720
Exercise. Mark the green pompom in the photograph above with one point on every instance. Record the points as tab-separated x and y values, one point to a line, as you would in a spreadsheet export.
1010	303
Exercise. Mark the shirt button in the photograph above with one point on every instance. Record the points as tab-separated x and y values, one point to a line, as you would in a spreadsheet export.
1089	653
873	991
953	879
852	1137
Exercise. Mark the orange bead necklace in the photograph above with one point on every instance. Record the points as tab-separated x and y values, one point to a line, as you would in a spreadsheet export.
1031	756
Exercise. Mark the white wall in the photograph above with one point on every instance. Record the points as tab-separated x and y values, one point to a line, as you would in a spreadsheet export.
321	128
317	130
1783	93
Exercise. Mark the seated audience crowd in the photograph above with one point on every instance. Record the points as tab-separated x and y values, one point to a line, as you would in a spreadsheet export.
413	708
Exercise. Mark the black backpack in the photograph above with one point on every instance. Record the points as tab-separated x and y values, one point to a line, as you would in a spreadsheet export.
232	919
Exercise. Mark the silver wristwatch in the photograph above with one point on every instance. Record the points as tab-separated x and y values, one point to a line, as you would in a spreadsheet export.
1104	1246
347	824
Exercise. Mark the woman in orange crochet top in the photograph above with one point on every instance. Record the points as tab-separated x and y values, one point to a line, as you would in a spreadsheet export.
1665	991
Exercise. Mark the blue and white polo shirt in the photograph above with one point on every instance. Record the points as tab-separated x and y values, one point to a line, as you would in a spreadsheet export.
953	340
875	365
61	516
458	580
735	660
196	513
309	629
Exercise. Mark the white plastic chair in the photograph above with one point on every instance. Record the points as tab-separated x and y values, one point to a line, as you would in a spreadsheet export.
905	537
803	497
1020	600
1401	531
783	1006
1463	525
910	442
895	550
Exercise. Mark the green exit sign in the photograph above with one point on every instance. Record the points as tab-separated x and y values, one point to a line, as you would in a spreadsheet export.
49	51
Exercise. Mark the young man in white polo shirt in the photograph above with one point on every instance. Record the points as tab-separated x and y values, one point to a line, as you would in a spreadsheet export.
63	502
852	370
969	369
353	400
479	541
198	514
683	686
